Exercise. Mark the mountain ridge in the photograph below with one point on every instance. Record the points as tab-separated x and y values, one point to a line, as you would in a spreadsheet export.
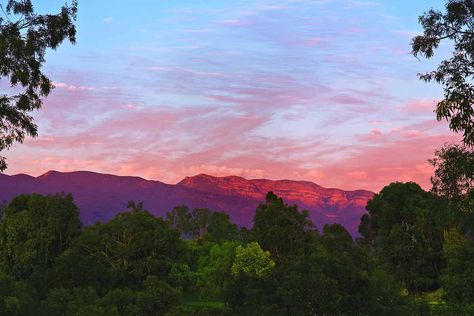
101	196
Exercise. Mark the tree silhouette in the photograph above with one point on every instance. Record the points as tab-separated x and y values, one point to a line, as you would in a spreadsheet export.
24	38
455	73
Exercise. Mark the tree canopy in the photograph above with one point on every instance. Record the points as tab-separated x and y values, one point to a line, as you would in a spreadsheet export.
454	176
282	229
36	230
252	261
456	25
138	264
404	224
24	38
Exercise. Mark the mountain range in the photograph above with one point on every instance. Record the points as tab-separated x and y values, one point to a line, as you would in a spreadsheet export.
101	196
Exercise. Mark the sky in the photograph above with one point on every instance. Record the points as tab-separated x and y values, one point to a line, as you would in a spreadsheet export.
325	91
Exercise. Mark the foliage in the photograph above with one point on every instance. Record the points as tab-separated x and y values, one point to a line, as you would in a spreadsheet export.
180	218
404	224
282	229
137	264
456	73
252	261
338	276
202	224
122	252
246	295
24	38
458	278
214	270
156	298
454	176
181	310
16	297
34	231
220	228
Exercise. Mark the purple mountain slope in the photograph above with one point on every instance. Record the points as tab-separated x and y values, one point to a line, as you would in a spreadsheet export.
101	196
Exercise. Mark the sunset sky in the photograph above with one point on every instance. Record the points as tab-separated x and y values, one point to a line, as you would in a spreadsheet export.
325	91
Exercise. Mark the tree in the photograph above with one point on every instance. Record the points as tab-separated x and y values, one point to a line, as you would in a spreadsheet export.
16	297
337	278
120	253
180	218
457	72
24	38
252	288
200	220
405	224
282	229
220	228
69	302
252	261
202	223
454	176
154	298
35	230
458	277
214	270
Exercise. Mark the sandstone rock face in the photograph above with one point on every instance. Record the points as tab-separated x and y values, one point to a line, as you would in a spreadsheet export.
101	196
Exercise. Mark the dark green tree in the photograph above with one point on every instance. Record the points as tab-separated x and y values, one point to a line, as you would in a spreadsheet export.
214	270
16	297
200	220
252	290
458	277
454	177
120	253
202	224
282	229
72	302
405	226
246	295
155	297
34	231
456	25
180	218
220	228
338	278
24	38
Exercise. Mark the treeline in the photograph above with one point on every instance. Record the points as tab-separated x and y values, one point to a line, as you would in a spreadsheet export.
414	256
191	262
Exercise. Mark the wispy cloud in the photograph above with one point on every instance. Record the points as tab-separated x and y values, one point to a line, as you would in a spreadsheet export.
310	90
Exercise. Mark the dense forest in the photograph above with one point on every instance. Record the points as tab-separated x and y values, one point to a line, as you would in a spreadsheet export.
413	257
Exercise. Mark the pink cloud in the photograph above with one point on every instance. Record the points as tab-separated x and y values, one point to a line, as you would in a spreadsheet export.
348	99
404	159
420	106
270	93
358	175
412	133
376	132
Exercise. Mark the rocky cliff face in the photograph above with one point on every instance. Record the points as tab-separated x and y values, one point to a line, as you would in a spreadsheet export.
101	196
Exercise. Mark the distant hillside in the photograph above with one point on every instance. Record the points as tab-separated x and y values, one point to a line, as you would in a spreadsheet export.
101	196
